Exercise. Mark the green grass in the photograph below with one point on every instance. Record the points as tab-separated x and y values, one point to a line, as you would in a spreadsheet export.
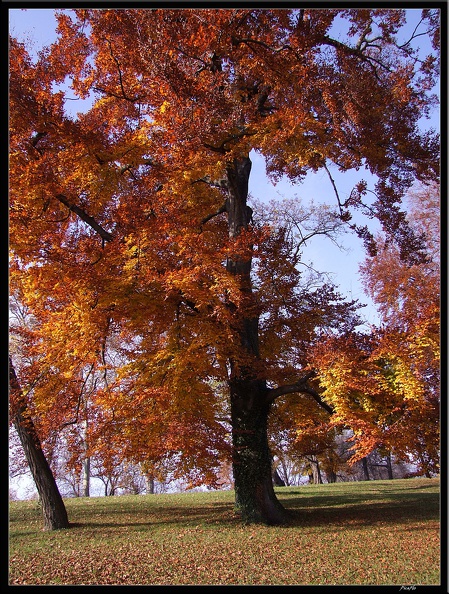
371	533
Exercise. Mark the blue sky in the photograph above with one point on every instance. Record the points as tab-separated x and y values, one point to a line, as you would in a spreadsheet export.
38	27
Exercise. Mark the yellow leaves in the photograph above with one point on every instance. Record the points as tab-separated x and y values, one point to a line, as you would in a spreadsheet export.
401	380
381	389
163	108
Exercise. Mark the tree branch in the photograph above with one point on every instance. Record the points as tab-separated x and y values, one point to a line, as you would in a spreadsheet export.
117	63
300	386
355	51
221	210
105	235
275	50
233	137
340	205
78	405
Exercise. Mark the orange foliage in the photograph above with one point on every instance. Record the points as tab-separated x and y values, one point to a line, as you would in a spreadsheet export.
118	232
386	386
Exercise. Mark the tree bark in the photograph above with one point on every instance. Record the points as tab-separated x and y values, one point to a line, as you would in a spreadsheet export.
250	405
53	508
365	468
86	477
316	471
149	484
389	467
254	492
86	465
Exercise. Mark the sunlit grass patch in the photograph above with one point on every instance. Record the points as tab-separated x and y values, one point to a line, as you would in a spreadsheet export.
371	533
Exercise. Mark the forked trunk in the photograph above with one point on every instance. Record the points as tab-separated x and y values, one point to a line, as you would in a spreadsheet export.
255	497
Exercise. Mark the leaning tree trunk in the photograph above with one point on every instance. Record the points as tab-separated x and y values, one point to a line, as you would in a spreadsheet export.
53	508
255	497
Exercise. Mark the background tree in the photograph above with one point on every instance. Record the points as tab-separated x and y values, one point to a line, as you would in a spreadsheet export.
408	298
385	385
138	208
405	353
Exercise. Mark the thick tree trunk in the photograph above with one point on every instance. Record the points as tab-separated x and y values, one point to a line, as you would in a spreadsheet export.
255	497
53	508
254	492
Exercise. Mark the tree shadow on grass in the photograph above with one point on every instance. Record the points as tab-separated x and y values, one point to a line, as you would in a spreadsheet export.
184	517
351	511
360	509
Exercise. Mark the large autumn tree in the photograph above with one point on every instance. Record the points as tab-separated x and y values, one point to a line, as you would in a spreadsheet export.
135	213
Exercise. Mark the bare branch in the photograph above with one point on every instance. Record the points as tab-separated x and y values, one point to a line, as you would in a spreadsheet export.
345	215
355	51
413	36
362	37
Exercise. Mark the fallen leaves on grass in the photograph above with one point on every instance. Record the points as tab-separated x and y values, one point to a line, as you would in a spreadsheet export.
171	541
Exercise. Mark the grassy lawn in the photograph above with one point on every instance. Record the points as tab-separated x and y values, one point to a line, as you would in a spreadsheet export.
371	533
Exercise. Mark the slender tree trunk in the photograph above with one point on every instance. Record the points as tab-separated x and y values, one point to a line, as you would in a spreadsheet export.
286	475
365	469
53	508
316	471
149	484
86	466
331	468
255	497
310	473
86	477
389	467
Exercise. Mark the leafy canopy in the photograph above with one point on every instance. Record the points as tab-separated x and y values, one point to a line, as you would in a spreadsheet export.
117	228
